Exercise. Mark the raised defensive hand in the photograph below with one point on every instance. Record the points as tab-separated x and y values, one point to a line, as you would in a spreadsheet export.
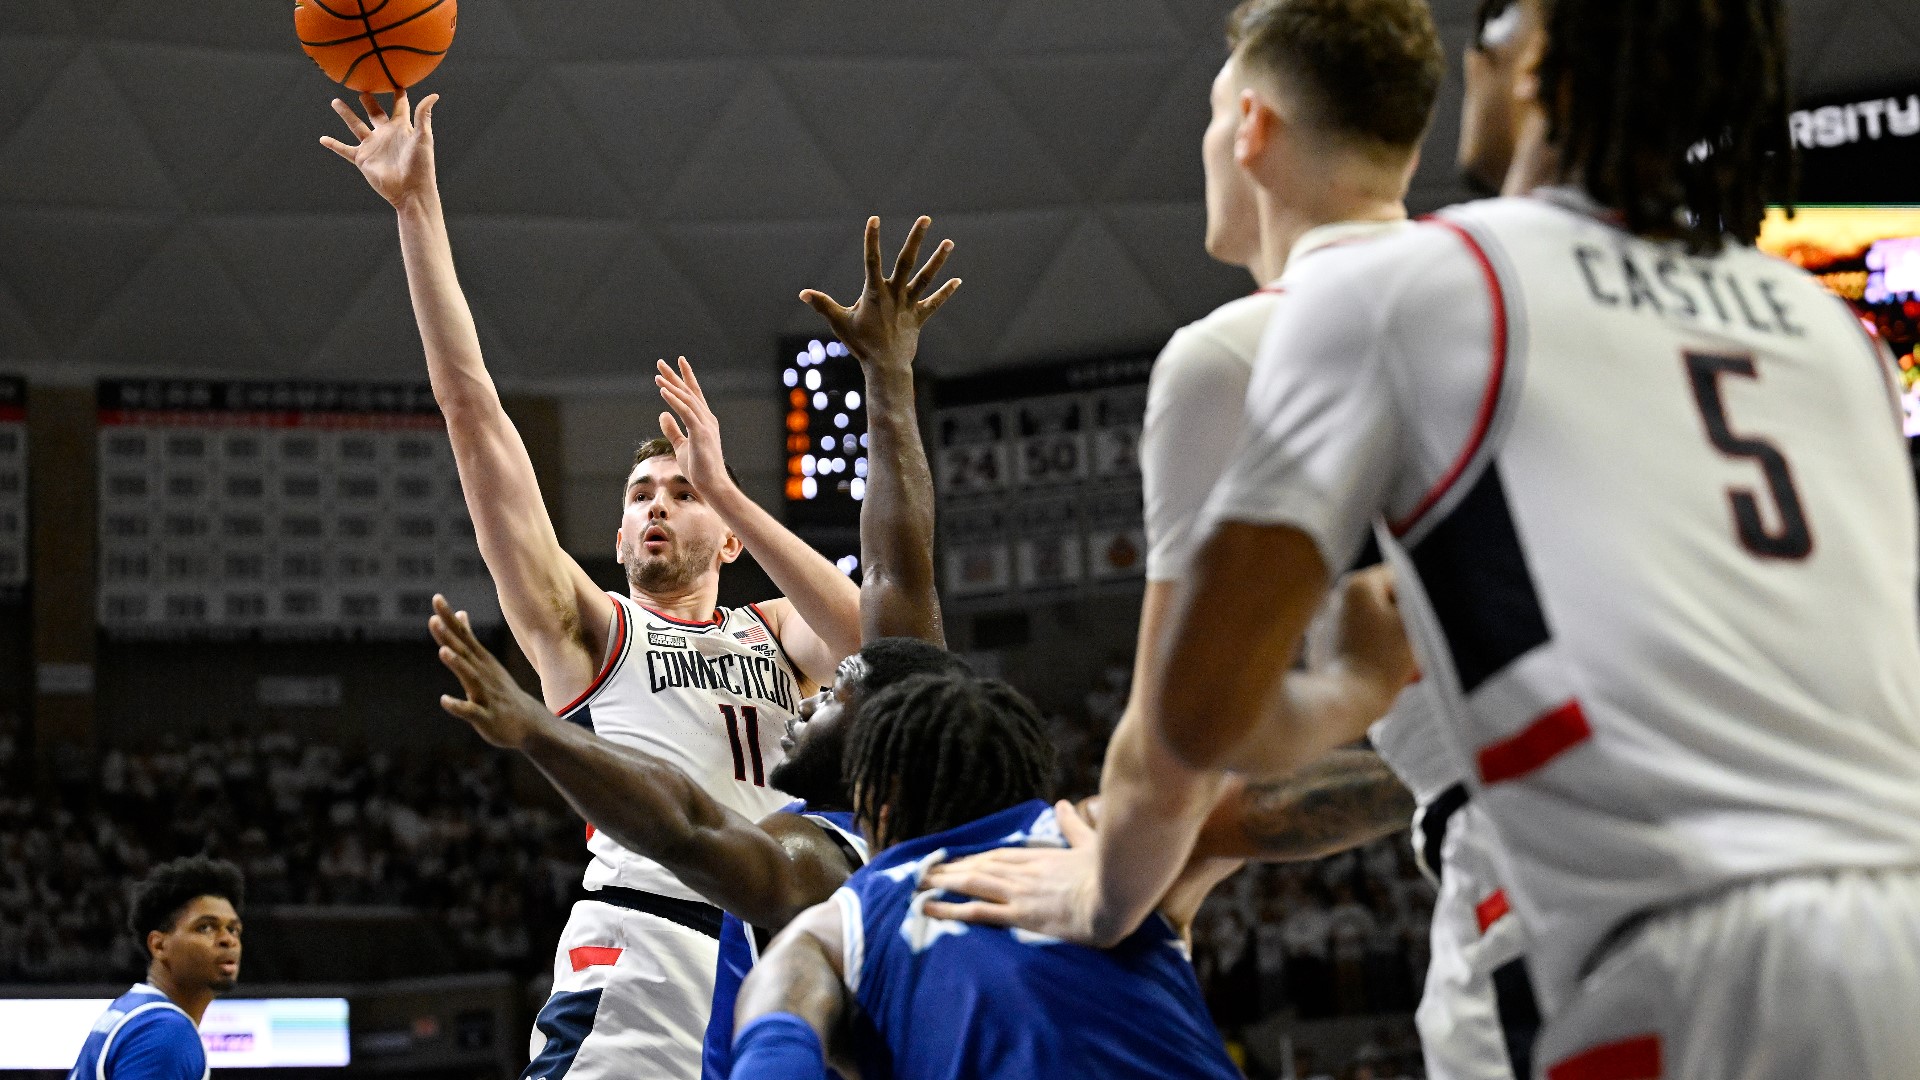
691	427
882	328
393	151
1047	891
496	707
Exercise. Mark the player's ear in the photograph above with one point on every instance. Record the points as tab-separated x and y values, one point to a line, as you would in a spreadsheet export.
1258	126
730	548
1526	65
156	944
619	542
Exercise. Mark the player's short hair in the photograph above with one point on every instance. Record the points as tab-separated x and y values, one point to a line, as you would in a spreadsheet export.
939	751
1672	112
160	897
891	660
1364	71
658	446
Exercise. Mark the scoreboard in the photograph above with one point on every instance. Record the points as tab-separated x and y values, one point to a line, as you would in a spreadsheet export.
1038	477
13	487
292	509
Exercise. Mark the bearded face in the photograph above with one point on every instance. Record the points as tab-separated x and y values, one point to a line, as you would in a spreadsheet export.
659	561
669	537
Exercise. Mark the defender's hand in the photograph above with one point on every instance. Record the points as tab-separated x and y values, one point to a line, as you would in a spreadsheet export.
1372	643
496	707
882	328
395	154
1050	891
692	429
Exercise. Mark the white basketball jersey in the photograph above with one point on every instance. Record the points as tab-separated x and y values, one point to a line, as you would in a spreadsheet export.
1656	535
712	698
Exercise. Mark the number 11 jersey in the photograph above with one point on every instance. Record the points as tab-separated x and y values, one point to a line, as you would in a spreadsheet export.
712	698
1655	528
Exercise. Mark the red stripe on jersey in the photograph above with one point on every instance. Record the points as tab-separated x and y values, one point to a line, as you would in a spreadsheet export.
587	956
1271	290
589	830
1496	375
718	618
1492	909
617	642
1637	1058
1534	745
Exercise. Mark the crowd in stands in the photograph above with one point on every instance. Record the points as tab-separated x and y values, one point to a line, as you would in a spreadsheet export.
309	823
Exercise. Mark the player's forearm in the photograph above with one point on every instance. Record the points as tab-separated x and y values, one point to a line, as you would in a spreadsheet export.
824	597
1310	714
898	597
1345	799
796	976
454	364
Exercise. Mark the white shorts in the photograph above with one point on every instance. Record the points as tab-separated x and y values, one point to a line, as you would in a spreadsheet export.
1476	1018
1809	977
631	995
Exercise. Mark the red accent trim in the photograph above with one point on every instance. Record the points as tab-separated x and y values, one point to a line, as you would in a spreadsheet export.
1637	1058
1496	376
618	642
1535	745
1270	290
589	830
1492	909
718	618
587	956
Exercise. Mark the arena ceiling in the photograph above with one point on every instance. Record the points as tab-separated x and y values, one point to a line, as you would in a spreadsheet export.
633	180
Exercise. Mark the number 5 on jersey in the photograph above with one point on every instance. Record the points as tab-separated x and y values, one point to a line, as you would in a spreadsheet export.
1794	538
752	716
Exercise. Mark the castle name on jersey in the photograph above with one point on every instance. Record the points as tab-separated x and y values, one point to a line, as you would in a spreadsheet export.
747	676
1664	283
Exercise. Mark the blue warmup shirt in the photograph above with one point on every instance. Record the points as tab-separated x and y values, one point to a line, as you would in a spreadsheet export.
740	947
942	1000
142	1036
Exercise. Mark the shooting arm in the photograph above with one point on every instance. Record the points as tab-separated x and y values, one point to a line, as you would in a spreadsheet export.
897	591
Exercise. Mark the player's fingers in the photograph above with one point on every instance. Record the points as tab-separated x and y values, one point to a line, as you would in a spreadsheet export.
475	684
681	404
461	709
873	253
375	111
402	111
423	116
910	251
354	123
938	300
339	147
670	428
827	306
978	912
667	375
1076	831
934	262
692	380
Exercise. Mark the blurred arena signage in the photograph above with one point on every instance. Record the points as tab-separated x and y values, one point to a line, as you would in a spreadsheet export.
1861	148
280	509
1038	475
13	488
238	1033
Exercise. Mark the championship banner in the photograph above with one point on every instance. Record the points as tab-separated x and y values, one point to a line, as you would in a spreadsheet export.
13	488
282	509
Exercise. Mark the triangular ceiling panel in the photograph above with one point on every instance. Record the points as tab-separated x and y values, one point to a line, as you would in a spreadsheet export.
64	266
1205	21
647	117
639	308
301	272
757	162
856	28
534	159
982	157
36	17
192	134
1864	38
229	24
1088	110
998	257
1092	282
377	338
182	300
1053	27
27	71
1167	242
489	29
529	275
82	147
750	272
604	31
1164	163
899	104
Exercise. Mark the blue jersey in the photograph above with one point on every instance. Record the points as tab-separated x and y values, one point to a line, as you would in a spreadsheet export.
740	946
942	1000
143	1035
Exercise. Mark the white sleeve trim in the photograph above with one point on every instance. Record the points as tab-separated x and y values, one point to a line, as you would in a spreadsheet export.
853	941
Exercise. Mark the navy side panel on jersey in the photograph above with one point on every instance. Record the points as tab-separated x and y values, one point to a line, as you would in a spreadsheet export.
946	1000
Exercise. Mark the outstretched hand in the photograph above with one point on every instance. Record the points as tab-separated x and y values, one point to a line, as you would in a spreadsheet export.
692	428
1050	891
394	151
882	328
495	706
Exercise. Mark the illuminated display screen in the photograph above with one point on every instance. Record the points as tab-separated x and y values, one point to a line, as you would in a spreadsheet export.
826	431
257	1033
1869	256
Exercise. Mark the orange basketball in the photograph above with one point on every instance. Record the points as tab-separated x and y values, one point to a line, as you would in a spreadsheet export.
382	46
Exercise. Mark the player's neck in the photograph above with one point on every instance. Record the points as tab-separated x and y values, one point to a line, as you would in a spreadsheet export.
1537	163
192	1001
1284	221
696	603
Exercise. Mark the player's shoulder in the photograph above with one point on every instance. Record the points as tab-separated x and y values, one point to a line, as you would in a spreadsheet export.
158	1029
1229	332
1378	273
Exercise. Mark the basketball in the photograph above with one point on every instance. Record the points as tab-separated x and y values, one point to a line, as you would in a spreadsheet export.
380	46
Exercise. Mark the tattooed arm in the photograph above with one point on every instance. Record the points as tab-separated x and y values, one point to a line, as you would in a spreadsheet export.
1345	799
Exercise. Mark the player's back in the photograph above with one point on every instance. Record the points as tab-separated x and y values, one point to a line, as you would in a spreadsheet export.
941	1000
143	1035
1665	533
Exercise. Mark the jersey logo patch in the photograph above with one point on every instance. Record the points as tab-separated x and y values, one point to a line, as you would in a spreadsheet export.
668	641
